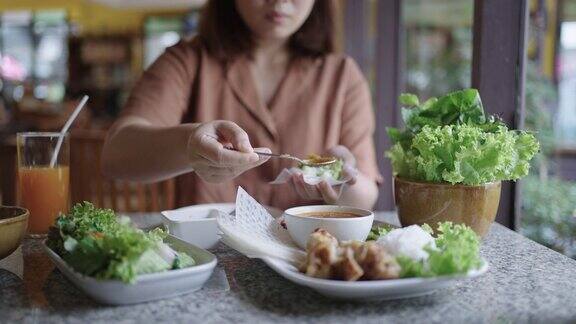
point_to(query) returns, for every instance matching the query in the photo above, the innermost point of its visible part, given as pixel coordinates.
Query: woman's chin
(276, 34)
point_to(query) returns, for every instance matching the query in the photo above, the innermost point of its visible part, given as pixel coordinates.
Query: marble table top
(526, 283)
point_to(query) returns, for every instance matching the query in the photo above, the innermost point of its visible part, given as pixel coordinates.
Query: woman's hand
(323, 191)
(221, 150)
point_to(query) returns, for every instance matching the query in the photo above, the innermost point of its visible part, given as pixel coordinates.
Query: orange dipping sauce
(44, 192)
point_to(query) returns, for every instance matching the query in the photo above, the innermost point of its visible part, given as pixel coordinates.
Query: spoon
(323, 160)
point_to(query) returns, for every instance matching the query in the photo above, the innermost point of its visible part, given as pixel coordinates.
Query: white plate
(197, 224)
(148, 286)
(369, 290)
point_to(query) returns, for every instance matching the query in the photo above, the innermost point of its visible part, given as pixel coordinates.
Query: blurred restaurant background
(54, 51)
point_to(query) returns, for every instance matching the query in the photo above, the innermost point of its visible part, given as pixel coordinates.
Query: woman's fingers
(221, 150)
(261, 160)
(343, 153)
(349, 170)
(321, 191)
(211, 149)
(296, 182)
(234, 134)
(229, 171)
(328, 193)
(305, 190)
(311, 190)
(351, 173)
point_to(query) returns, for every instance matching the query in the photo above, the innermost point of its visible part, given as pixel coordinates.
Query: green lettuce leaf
(377, 232)
(450, 139)
(183, 260)
(457, 252)
(456, 108)
(464, 154)
(149, 262)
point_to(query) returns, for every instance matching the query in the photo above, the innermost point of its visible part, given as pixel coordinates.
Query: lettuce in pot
(451, 140)
(464, 154)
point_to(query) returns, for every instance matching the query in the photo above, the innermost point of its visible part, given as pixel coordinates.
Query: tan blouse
(319, 104)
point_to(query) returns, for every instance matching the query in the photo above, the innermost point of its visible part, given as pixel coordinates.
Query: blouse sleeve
(358, 122)
(162, 94)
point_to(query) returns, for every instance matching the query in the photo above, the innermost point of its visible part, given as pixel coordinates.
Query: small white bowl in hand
(344, 229)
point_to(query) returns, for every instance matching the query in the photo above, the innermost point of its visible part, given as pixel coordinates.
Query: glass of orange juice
(42, 188)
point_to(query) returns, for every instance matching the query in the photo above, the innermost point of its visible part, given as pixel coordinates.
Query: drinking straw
(65, 129)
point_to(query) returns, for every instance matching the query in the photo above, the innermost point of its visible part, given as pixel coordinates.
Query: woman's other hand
(221, 150)
(323, 191)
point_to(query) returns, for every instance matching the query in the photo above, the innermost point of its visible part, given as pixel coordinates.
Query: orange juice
(44, 192)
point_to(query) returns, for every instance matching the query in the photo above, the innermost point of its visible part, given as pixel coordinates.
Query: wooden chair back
(8, 172)
(88, 183)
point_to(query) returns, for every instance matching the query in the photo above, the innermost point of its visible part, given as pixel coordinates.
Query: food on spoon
(96, 243)
(332, 170)
(318, 159)
(350, 261)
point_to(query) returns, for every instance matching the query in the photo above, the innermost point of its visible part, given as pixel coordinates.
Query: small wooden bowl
(424, 202)
(13, 225)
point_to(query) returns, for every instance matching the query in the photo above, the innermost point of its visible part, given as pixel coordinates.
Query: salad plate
(370, 289)
(147, 287)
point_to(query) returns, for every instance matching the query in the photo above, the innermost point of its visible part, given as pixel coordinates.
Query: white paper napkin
(252, 231)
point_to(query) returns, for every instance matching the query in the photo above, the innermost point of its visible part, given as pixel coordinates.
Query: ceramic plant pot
(424, 202)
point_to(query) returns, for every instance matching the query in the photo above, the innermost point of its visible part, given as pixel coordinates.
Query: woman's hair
(226, 36)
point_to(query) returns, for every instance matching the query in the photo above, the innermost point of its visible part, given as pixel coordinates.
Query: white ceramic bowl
(197, 224)
(344, 229)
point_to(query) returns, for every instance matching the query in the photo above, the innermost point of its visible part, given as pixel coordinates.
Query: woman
(260, 76)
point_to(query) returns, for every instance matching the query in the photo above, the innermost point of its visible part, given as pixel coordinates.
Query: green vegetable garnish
(376, 232)
(333, 170)
(96, 243)
(457, 252)
(450, 139)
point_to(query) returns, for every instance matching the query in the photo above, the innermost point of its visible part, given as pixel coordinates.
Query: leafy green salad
(333, 170)
(450, 139)
(454, 250)
(96, 243)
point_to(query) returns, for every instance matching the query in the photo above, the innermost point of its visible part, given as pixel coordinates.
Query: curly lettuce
(450, 139)
(96, 243)
(379, 231)
(464, 154)
(457, 251)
